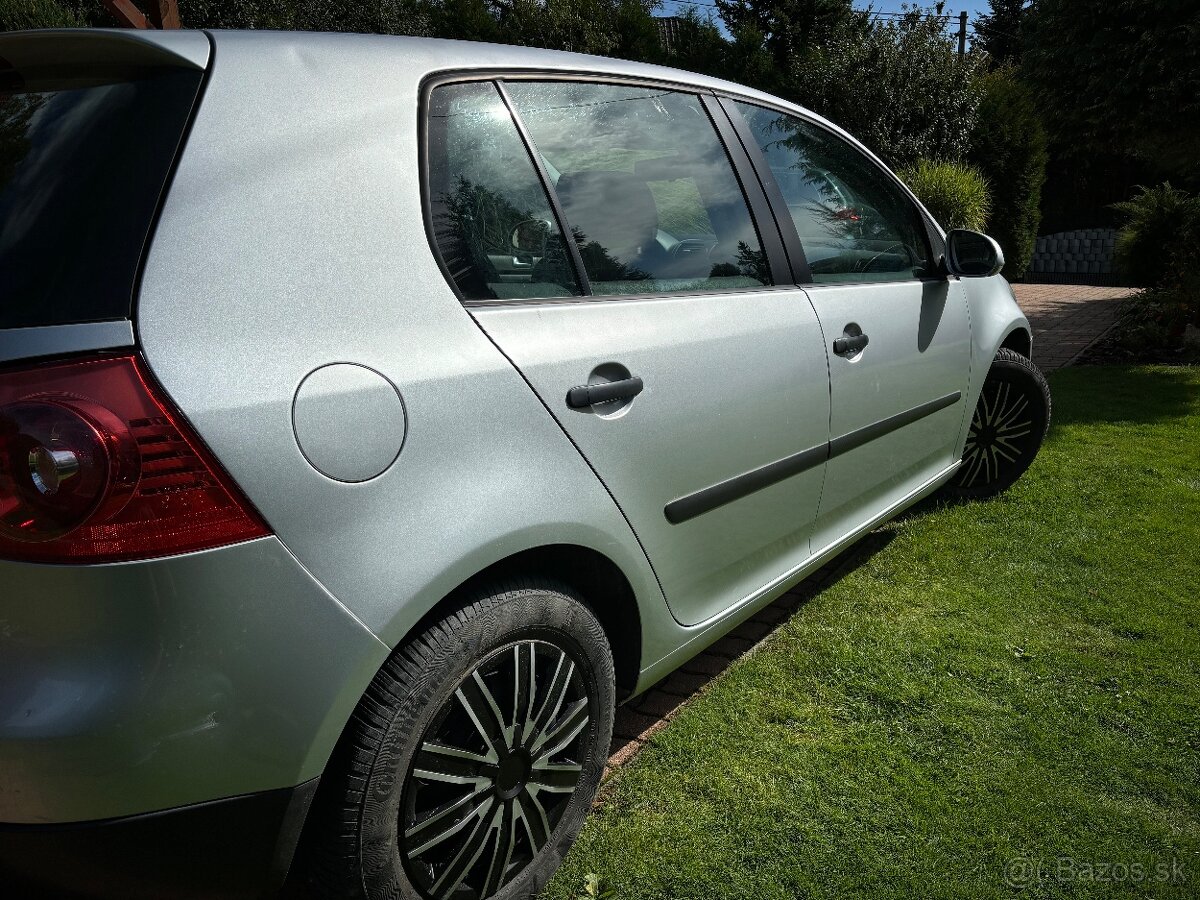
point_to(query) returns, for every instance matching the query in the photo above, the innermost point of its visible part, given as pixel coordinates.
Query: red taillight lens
(95, 467)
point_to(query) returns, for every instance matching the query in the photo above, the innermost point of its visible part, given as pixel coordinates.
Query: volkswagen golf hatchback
(376, 414)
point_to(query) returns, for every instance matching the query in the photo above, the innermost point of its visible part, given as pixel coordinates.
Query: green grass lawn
(1017, 679)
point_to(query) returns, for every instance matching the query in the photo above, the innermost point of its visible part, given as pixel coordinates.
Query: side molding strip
(868, 433)
(739, 486)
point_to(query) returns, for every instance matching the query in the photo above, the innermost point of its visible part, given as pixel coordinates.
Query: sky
(953, 7)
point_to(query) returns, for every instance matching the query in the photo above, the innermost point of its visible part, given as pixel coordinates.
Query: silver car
(376, 414)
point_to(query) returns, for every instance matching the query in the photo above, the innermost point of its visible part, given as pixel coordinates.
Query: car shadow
(639, 719)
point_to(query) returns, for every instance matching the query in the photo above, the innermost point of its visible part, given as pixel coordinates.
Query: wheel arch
(592, 576)
(1019, 340)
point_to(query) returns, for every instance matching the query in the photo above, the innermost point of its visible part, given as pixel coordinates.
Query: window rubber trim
(752, 192)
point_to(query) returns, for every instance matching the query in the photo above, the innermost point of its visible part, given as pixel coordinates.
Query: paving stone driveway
(1066, 320)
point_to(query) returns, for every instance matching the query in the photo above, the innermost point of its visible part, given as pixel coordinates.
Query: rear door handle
(850, 344)
(586, 395)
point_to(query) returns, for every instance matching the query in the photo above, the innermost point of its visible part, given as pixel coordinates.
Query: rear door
(695, 387)
(896, 330)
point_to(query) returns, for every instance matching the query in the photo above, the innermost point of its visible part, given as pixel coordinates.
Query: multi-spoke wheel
(470, 764)
(1007, 428)
(494, 771)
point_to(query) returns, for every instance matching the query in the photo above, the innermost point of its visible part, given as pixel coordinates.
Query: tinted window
(83, 160)
(854, 221)
(492, 222)
(645, 184)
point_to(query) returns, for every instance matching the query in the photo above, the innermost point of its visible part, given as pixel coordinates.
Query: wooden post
(962, 34)
(163, 13)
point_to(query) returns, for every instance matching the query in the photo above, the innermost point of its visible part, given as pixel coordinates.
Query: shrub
(1008, 146)
(18, 15)
(955, 194)
(1156, 240)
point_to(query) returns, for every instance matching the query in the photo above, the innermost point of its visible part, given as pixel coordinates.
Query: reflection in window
(491, 219)
(855, 223)
(645, 185)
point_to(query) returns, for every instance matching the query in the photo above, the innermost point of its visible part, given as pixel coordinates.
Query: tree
(19, 15)
(789, 29)
(1009, 147)
(1120, 75)
(899, 86)
(999, 31)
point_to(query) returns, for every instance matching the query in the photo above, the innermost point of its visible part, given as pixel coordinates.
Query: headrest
(615, 209)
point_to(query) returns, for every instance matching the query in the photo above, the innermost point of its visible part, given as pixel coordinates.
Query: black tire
(446, 704)
(1007, 428)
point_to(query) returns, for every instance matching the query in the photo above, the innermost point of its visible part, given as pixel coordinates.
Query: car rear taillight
(95, 467)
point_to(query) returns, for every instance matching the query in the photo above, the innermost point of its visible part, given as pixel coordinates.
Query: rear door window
(645, 184)
(84, 156)
(492, 221)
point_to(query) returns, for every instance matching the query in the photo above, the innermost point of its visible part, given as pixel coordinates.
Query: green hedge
(956, 195)
(1008, 145)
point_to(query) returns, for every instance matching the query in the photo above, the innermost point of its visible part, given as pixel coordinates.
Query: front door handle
(586, 395)
(850, 343)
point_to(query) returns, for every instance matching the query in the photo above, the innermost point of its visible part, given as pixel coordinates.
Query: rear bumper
(139, 687)
(234, 848)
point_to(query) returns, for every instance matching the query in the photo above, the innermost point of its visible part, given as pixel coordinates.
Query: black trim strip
(865, 435)
(739, 486)
(801, 274)
(769, 238)
(568, 237)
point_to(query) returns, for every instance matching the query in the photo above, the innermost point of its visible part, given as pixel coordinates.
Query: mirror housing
(530, 237)
(970, 254)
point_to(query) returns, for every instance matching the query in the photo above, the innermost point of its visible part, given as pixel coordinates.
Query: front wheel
(469, 766)
(1007, 429)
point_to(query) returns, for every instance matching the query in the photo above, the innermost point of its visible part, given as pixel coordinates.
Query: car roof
(430, 56)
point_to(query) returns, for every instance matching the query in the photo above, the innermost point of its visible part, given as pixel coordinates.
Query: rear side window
(854, 222)
(492, 221)
(646, 187)
(84, 156)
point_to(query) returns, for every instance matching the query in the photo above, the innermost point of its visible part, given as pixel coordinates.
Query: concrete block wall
(1085, 256)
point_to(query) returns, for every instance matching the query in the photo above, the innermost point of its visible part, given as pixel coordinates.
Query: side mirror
(530, 236)
(970, 254)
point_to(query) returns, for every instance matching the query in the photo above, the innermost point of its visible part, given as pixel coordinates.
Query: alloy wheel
(1001, 435)
(494, 771)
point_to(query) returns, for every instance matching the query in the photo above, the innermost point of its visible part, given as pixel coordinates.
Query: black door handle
(850, 344)
(586, 395)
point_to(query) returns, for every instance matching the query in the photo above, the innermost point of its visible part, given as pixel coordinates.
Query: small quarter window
(492, 221)
(854, 222)
(645, 185)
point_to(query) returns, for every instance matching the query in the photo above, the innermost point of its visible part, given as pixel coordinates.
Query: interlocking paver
(1066, 320)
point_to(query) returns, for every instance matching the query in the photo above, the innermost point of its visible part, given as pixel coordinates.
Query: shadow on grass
(1114, 394)
(637, 720)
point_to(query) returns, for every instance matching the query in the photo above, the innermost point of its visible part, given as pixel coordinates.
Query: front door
(897, 331)
(696, 389)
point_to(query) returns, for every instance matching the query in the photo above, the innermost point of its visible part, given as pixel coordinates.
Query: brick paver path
(1066, 320)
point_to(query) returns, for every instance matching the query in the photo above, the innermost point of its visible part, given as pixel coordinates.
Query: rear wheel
(471, 763)
(1007, 429)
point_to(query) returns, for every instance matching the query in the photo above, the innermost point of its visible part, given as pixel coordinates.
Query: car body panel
(733, 382)
(134, 687)
(919, 353)
(270, 261)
